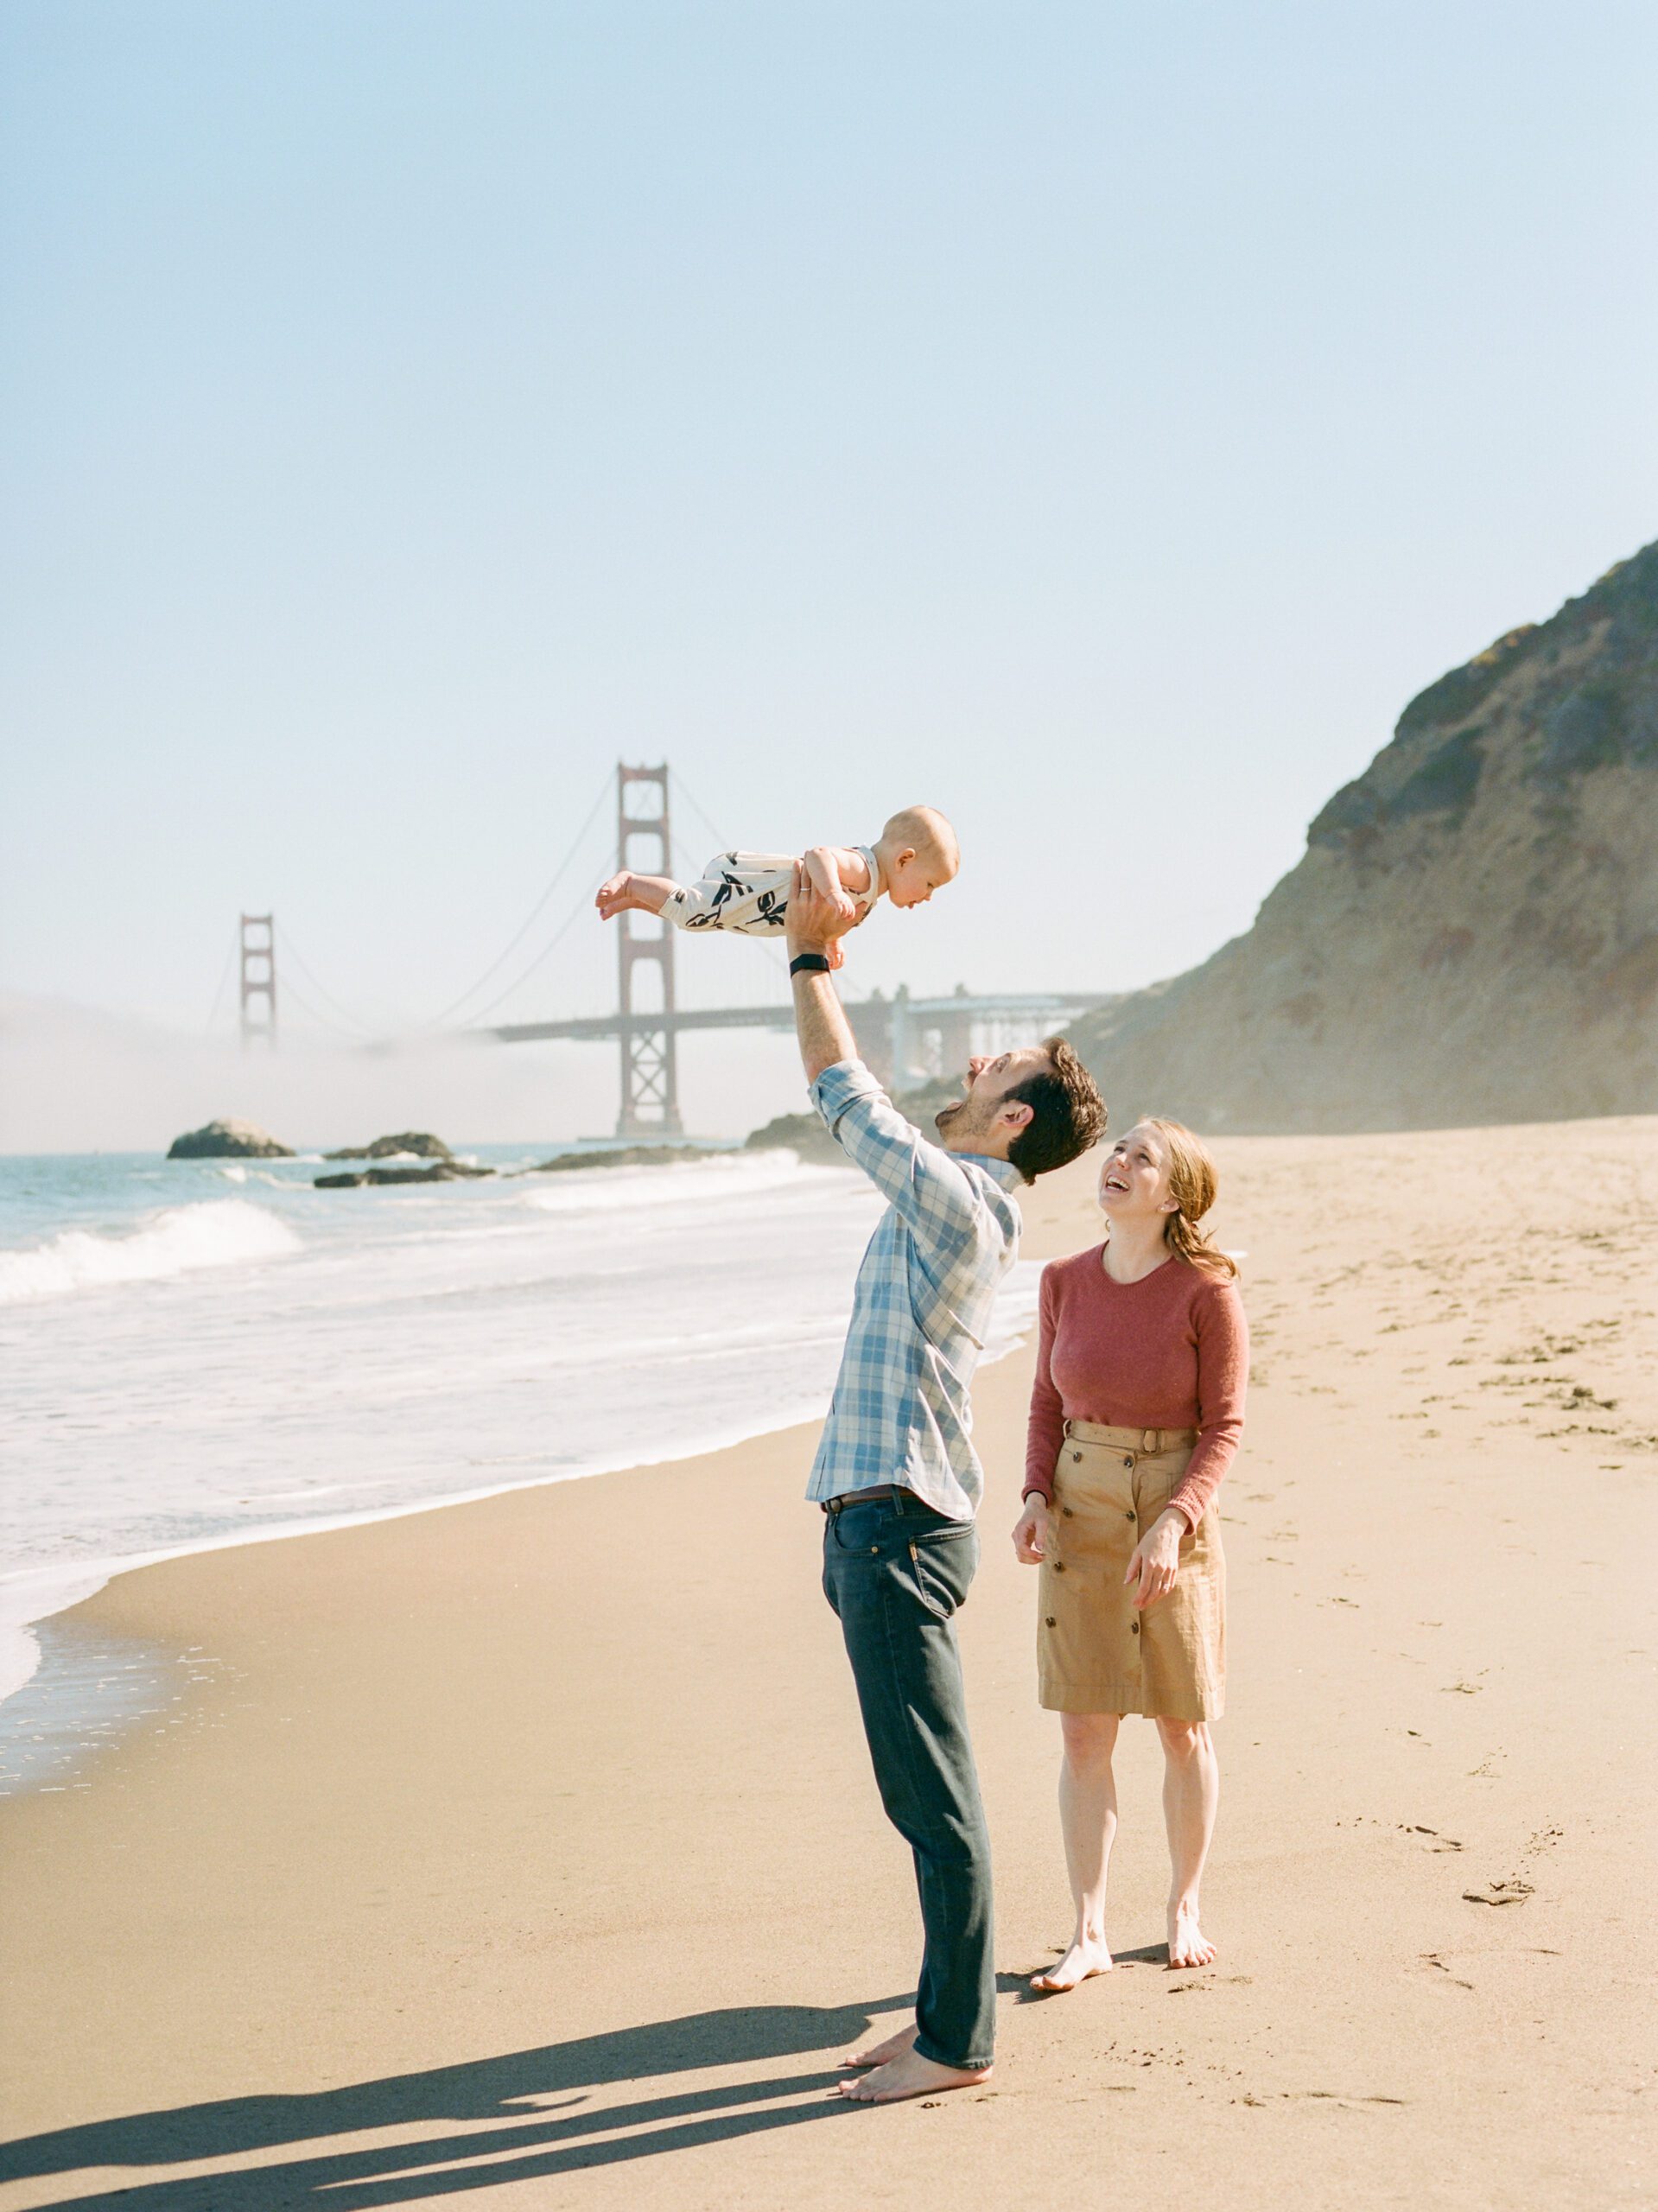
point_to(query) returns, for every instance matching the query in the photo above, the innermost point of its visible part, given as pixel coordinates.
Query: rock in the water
(442, 1171)
(230, 1139)
(420, 1143)
(806, 1134)
(623, 1155)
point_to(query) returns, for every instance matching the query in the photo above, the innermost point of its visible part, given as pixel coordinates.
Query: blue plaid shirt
(926, 1288)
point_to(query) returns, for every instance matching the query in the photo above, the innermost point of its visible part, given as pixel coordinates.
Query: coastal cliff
(1472, 934)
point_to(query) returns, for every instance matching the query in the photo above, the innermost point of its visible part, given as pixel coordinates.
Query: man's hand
(1157, 1558)
(1031, 1532)
(815, 922)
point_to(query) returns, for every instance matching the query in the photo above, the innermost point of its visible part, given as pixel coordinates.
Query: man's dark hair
(1067, 1113)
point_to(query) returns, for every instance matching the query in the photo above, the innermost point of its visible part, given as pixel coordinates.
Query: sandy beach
(526, 1851)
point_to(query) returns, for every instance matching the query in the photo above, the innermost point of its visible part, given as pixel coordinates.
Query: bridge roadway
(917, 1013)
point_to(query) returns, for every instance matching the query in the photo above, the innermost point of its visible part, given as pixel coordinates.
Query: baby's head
(918, 854)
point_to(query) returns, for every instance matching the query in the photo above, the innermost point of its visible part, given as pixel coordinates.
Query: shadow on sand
(532, 2139)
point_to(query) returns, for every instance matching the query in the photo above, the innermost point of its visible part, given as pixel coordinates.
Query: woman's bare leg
(1088, 1819)
(1192, 1790)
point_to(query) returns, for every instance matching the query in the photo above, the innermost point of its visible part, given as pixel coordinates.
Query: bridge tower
(649, 1074)
(258, 980)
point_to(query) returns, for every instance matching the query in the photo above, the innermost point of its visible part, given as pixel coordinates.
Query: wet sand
(526, 1852)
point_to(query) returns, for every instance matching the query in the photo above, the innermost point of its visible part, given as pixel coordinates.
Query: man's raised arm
(920, 1179)
(825, 1033)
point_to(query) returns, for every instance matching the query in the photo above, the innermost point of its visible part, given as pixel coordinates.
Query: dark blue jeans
(895, 1572)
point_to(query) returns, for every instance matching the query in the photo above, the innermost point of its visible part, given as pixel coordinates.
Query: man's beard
(957, 1115)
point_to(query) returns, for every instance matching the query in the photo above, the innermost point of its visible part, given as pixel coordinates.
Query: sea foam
(215, 1233)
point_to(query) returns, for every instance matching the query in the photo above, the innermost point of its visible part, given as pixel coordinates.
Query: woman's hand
(1157, 1558)
(1031, 1533)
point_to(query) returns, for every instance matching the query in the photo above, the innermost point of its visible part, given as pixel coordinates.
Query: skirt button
(1134, 1628)
(1050, 1620)
(1077, 1457)
(1059, 1566)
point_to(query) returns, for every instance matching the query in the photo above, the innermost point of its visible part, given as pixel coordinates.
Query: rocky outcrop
(806, 1134)
(1472, 933)
(801, 1133)
(229, 1140)
(420, 1142)
(442, 1171)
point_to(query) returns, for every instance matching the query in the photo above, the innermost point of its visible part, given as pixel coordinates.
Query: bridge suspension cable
(519, 935)
(293, 953)
(583, 905)
(223, 982)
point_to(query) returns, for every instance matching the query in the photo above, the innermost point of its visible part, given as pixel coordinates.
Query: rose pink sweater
(1169, 1351)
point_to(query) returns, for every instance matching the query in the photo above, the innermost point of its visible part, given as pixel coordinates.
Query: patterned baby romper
(749, 893)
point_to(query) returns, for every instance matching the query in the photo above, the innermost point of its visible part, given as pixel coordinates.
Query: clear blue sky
(1096, 420)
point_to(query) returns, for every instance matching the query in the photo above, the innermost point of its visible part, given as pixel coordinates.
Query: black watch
(809, 964)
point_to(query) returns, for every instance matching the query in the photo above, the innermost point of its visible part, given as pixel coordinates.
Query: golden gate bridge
(905, 1040)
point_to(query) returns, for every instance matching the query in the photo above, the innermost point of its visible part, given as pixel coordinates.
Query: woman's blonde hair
(1193, 1186)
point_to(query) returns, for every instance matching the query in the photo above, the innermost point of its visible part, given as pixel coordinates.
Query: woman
(1142, 1365)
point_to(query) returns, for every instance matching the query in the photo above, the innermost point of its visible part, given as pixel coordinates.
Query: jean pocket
(941, 1565)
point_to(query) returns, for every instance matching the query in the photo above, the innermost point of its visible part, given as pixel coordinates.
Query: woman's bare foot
(1088, 1955)
(910, 2075)
(877, 2053)
(1187, 1945)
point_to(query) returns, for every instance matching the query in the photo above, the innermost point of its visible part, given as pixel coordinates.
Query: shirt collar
(999, 1171)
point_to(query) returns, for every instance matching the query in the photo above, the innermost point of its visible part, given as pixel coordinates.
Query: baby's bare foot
(877, 2053)
(1187, 1944)
(1088, 1955)
(623, 894)
(910, 2075)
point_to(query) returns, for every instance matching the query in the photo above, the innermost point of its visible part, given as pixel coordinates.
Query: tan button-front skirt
(1094, 1652)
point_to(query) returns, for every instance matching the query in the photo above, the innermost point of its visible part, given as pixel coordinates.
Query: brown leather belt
(859, 1497)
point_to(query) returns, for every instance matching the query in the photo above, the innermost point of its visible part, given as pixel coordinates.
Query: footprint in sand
(1454, 1981)
(1513, 1892)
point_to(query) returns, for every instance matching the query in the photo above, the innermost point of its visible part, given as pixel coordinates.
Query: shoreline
(535, 1841)
(85, 1581)
(49, 1587)
(73, 1586)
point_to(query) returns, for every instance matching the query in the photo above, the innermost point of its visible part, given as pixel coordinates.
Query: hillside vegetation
(1472, 933)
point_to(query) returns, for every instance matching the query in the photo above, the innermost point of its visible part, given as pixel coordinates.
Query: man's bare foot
(622, 894)
(1088, 1955)
(1187, 1946)
(877, 2053)
(910, 2075)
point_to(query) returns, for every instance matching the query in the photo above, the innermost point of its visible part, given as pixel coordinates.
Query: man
(896, 1476)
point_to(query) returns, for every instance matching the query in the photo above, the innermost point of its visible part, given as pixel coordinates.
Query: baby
(914, 855)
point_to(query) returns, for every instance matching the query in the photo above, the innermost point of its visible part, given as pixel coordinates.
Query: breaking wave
(214, 1234)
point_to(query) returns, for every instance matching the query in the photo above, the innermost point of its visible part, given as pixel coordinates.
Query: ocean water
(199, 1352)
